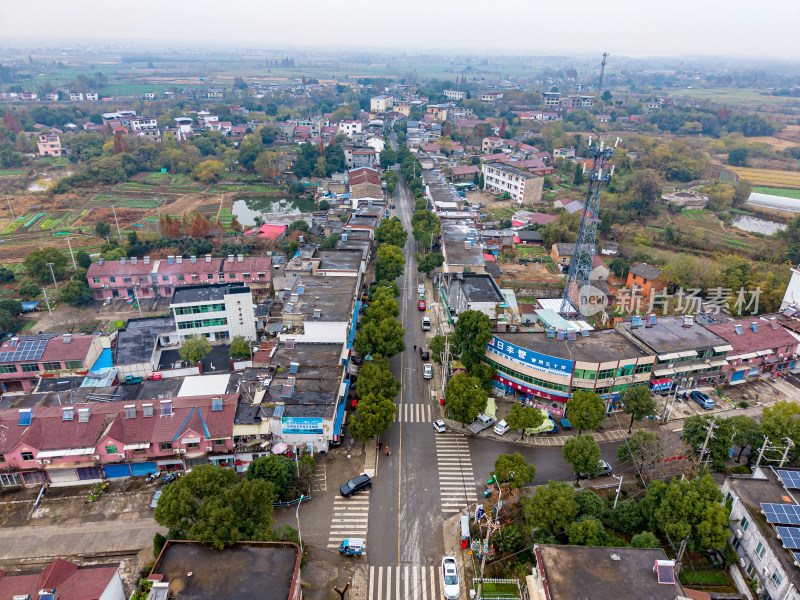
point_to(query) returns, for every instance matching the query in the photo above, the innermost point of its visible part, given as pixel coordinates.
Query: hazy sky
(754, 29)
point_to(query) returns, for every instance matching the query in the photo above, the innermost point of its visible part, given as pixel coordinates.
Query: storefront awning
(671, 356)
(687, 354)
(763, 352)
(726, 348)
(743, 356)
(68, 452)
(718, 363)
(685, 368)
(664, 372)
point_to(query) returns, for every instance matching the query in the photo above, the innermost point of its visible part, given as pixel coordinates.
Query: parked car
(424, 352)
(702, 399)
(154, 501)
(421, 288)
(501, 428)
(426, 324)
(451, 588)
(439, 426)
(421, 305)
(481, 422)
(356, 485)
(603, 468)
(427, 371)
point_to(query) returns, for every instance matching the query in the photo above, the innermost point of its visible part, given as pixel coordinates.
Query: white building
(142, 123)
(91, 96)
(218, 312)
(792, 295)
(454, 95)
(763, 555)
(381, 104)
(491, 97)
(522, 186)
(76, 96)
(350, 127)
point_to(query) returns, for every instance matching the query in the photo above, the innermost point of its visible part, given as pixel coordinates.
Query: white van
(426, 323)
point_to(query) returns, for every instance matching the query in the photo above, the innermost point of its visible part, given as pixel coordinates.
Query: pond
(756, 225)
(246, 209)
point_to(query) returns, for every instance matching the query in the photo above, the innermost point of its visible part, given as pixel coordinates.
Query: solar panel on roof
(665, 569)
(790, 479)
(781, 514)
(790, 537)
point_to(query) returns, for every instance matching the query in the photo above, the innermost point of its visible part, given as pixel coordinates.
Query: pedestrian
(380, 445)
(415, 347)
(387, 451)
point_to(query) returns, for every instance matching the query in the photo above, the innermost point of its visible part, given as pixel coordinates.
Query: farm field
(769, 177)
(725, 95)
(777, 192)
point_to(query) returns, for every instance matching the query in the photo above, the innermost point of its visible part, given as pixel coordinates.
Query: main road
(427, 477)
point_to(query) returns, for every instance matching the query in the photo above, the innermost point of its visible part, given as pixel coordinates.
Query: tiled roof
(645, 271)
(765, 338)
(71, 581)
(76, 349)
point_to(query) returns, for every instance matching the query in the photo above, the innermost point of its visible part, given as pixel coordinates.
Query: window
(231, 275)
(67, 414)
(246, 275)
(745, 523)
(165, 445)
(195, 462)
(147, 410)
(643, 368)
(112, 279)
(83, 415)
(194, 277)
(626, 370)
(760, 550)
(585, 374)
(180, 277)
(777, 578)
(96, 280)
(111, 449)
(219, 442)
(165, 278)
(51, 366)
(126, 279)
(193, 445)
(606, 373)
(130, 411)
(166, 408)
(74, 364)
(27, 456)
(210, 276)
(8, 368)
(2, 458)
(30, 368)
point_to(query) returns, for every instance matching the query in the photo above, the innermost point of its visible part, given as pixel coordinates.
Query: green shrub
(740, 470)
(158, 543)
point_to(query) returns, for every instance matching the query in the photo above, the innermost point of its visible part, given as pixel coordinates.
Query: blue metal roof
(337, 424)
(104, 361)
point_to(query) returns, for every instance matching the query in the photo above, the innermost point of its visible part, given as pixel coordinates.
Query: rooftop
(601, 576)
(71, 581)
(669, 335)
(769, 335)
(136, 342)
(206, 293)
(331, 299)
(234, 573)
(506, 168)
(457, 250)
(479, 288)
(340, 260)
(602, 345)
(645, 271)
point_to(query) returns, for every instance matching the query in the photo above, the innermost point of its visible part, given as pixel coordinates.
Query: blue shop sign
(307, 425)
(531, 359)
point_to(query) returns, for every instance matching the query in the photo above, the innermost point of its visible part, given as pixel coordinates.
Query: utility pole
(789, 444)
(136, 299)
(485, 549)
(761, 452)
(13, 216)
(619, 488)
(299, 535)
(53, 274)
(48, 303)
(709, 435)
(679, 558)
(74, 265)
(119, 233)
(766, 446)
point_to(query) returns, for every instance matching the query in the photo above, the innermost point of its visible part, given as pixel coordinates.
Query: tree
(586, 410)
(577, 177)
(737, 157)
(209, 171)
(274, 469)
(36, 264)
(524, 417)
(695, 430)
(297, 226)
(637, 401)
(647, 191)
(627, 516)
(586, 532)
(29, 291)
(248, 153)
(472, 332)
(485, 374)
(746, 431)
(429, 262)
(6, 275)
(83, 259)
(388, 157)
(389, 265)
(239, 348)
(375, 377)
(513, 470)
(644, 449)
(645, 539)
(583, 454)
(781, 420)
(374, 415)
(194, 349)
(330, 242)
(590, 504)
(425, 227)
(465, 398)
(208, 505)
(76, 293)
(324, 205)
(437, 345)
(391, 231)
(691, 508)
(606, 97)
(550, 510)
(102, 229)
(384, 337)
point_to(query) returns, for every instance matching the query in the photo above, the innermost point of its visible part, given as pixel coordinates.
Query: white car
(439, 426)
(427, 371)
(421, 288)
(501, 428)
(450, 585)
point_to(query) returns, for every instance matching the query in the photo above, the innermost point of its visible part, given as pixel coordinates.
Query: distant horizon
(625, 28)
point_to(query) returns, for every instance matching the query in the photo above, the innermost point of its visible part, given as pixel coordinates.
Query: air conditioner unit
(95, 457)
(739, 533)
(38, 462)
(176, 451)
(121, 455)
(182, 450)
(209, 448)
(105, 286)
(46, 461)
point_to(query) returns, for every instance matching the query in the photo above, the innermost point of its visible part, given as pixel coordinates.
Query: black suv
(424, 353)
(355, 485)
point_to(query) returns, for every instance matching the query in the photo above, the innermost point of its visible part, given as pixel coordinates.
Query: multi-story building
(24, 358)
(551, 98)
(146, 278)
(76, 96)
(521, 185)
(491, 97)
(761, 534)
(491, 143)
(379, 104)
(350, 127)
(91, 96)
(218, 312)
(141, 123)
(49, 145)
(455, 95)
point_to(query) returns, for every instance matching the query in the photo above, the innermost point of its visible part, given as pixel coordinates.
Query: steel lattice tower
(580, 269)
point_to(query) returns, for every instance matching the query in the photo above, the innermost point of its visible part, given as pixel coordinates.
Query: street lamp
(54, 275)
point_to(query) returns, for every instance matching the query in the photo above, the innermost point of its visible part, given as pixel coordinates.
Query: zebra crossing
(405, 582)
(456, 480)
(413, 413)
(350, 519)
